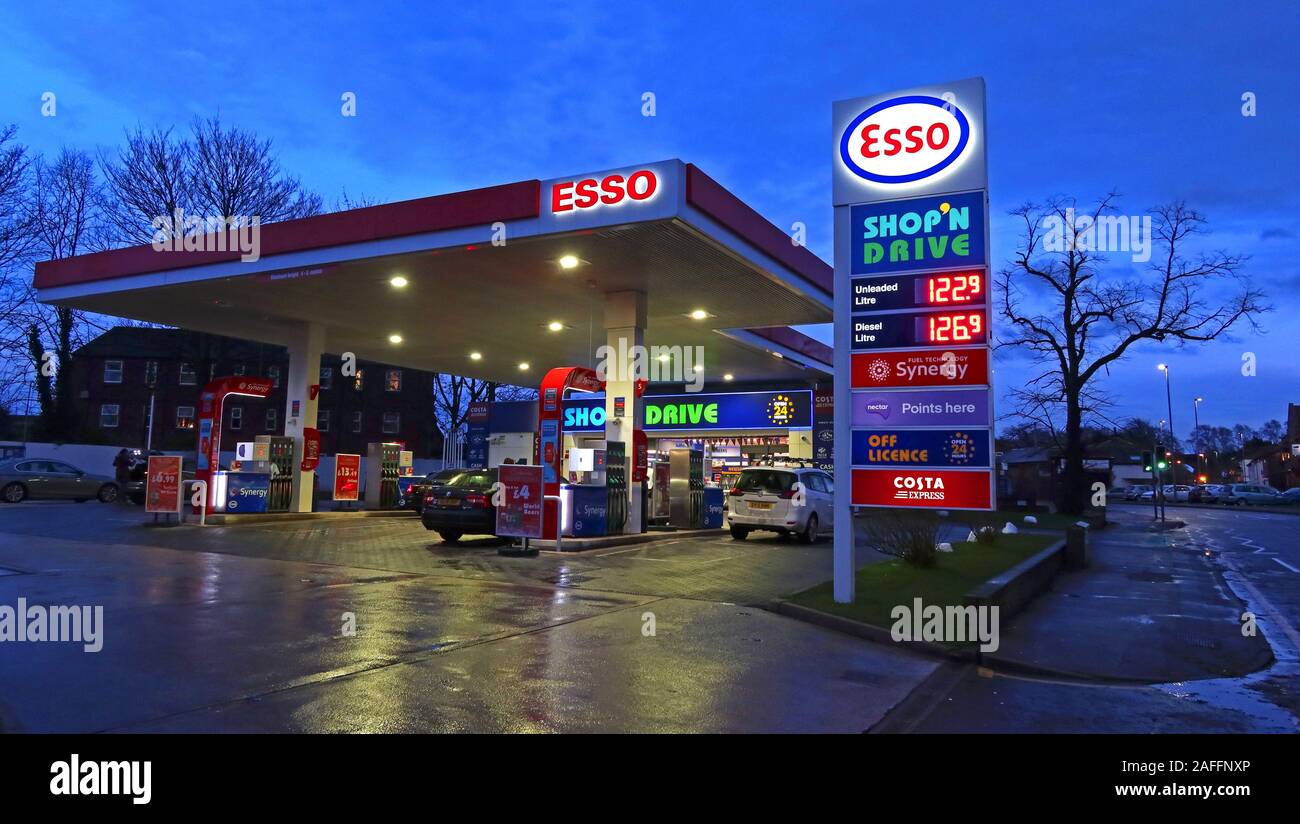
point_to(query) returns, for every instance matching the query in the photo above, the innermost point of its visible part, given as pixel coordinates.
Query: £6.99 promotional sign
(913, 378)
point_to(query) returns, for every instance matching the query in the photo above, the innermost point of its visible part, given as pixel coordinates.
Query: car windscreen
(473, 479)
(765, 480)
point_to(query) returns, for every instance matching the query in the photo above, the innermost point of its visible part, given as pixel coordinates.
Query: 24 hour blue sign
(924, 233)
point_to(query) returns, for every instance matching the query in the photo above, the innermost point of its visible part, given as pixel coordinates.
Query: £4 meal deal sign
(912, 308)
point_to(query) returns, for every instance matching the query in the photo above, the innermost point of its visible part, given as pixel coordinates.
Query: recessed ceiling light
(523, 367)
(699, 314)
(555, 326)
(476, 356)
(663, 358)
(569, 262)
(777, 355)
(394, 338)
(728, 377)
(398, 282)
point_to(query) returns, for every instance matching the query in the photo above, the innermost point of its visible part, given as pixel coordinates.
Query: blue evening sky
(1142, 98)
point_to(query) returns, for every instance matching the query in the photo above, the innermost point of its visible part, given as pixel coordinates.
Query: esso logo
(610, 190)
(905, 139)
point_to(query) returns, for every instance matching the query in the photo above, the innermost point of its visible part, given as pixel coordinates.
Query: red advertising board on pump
(163, 484)
(347, 477)
(519, 513)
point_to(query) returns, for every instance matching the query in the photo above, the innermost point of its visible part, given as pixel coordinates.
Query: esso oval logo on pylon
(905, 139)
(609, 190)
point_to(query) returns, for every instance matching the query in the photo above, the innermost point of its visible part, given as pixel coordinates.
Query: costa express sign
(954, 367)
(923, 488)
(609, 190)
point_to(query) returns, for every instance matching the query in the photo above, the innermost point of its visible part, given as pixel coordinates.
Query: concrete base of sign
(227, 519)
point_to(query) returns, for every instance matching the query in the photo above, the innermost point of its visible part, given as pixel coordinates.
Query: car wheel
(107, 493)
(450, 537)
(13, 493)
(739, 533)
(809, 534)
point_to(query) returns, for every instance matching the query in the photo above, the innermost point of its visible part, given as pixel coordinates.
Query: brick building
(115, 375)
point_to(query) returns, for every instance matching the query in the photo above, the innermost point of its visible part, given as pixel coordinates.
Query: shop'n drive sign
(912, 309)
(606, 190)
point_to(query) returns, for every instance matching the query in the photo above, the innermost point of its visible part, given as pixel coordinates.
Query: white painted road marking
(1288, 566)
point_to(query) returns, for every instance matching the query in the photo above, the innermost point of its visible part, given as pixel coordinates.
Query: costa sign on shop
(922, 488)
(609, 190)
(889, 370)
(905, 138)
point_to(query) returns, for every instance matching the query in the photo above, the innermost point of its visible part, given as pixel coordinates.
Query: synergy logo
(780, 410)
(905, 139)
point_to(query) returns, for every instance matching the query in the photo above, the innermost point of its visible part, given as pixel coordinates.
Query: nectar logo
(905, 139)
(611, 190)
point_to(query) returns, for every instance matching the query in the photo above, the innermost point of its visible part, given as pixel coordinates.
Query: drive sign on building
(913, 381)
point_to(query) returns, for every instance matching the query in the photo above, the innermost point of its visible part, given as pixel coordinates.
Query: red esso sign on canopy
(609, 190)
(904, 139)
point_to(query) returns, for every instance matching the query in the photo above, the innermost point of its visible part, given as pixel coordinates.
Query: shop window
(184, 417)
(273, 372)
(112, 371)
(109, 415)
(356, 421)
(392, 423)
(236, 417)
(151, 373)
(393, 380)
(188, 376)
(323, 420)
(272, 420)
(326, 377)
(359, 380)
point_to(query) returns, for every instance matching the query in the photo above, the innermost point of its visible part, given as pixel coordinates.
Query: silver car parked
(23, 478)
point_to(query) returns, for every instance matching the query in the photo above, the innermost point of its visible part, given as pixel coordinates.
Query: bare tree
(15, 246)
(148, 178)
(237, 175)
(66, 218)
(1075, 321)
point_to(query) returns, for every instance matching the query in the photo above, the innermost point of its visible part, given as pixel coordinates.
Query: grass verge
(883, 586)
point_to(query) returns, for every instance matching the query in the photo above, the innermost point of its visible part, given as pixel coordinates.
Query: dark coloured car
(462, 505)
(420, 487)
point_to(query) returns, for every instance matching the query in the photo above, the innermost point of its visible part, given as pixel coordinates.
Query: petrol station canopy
(490, 271)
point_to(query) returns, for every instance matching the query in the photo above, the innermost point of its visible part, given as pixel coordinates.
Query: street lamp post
(1196, 419)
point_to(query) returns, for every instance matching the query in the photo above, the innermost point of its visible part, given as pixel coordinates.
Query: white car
(1177, 493)
(788, 501)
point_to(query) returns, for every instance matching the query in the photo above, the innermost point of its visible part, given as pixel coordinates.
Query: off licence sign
(519, 515)
(163, 484)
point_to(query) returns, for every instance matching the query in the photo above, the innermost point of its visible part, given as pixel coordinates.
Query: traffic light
(1162, 459)
(1147, 461)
